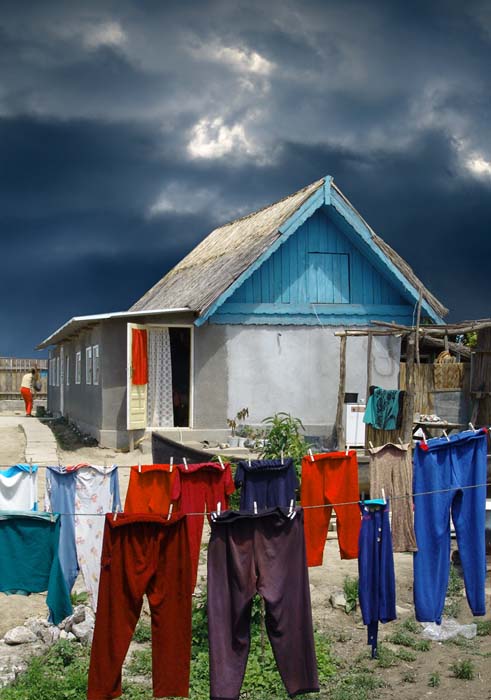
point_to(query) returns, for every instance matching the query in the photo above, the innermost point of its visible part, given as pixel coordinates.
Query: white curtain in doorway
(160, 407)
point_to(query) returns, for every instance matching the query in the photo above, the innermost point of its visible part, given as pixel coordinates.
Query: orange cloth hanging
(139, 358)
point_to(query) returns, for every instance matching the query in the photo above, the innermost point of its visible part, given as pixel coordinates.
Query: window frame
(88, 365)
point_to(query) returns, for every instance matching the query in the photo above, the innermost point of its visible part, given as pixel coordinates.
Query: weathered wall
(284, 368)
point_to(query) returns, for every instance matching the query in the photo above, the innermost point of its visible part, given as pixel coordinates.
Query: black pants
(264, 554)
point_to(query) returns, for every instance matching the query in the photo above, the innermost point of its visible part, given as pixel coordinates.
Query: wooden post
(407, 426)
(369, 366)
(418, 320)
(341, 392)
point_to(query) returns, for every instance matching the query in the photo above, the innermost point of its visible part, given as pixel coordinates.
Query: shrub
(463, 669)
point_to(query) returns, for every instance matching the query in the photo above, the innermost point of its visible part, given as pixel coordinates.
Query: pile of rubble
(36, 635)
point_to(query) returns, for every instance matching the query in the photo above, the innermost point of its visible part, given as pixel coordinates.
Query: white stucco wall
(296, 369)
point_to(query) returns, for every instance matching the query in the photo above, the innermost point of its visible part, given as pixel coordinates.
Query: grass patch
(422, 645)
(140, 663)
(59, 675)
(409, 676)
(452, 607)
(143, 632)
(81, 598)
(350, 588)
(463, 669)
(402, 638)
(434, 680)
(411, 625)
(386, 657)
(406, 655)
(455, 583)
(355, 686)
(483, 627)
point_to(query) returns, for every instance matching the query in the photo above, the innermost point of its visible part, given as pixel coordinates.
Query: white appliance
(354, 427)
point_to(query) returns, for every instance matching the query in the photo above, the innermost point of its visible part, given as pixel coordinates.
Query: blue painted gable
(318, 274)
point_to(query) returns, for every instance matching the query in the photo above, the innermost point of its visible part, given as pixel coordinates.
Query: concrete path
(41, 445)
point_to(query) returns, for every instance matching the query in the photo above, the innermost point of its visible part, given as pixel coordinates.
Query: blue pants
(376, 578)
(439, 465)
(268, 482)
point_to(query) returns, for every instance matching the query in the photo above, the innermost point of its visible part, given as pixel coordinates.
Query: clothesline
(322, 505)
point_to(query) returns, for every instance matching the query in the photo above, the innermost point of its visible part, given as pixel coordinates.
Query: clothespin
(291, 512)
(362, 496)
(255, 507)
(171, 465)
(311, 455)
(471, 426)
(370, 444)
(383, 496)
(400, 441)
(115, 514)
(185, 461)
(445, 435)
(139, 466)
(219, 507)
(281, 454)
(221, 462)
(347, 450)
(250, 463)
(52, 517)
(171, 508)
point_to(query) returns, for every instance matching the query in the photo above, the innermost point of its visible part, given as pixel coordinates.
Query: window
(78, 367)
(88, 365)
(95, 364)
(67, 370)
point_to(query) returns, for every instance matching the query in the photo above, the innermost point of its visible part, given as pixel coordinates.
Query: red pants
(149, 490)
(143, 554)
(198, 487)
(330, 478)
(27, 396)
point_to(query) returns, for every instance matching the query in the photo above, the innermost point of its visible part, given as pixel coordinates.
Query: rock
(84, 631)
(79, 614)
(19, 635)
(67, 635)
(338, 599)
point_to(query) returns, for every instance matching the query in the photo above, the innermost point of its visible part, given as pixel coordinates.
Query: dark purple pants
(264, 554)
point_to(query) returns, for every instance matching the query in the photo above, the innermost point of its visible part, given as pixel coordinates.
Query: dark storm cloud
(129, 129)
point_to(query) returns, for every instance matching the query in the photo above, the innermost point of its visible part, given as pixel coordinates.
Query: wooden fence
(12, 370)
(433, 380)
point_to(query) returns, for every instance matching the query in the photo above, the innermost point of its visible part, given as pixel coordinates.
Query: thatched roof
(198, 280)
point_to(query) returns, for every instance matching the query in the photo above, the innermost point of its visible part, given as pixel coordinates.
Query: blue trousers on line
(376, 578)
(449, 464)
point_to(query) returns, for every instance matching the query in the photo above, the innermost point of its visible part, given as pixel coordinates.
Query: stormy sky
(129, 129)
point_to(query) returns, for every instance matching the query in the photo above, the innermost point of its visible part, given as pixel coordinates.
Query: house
(247, 319)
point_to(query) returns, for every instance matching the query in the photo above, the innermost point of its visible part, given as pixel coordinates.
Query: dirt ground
(406, 679)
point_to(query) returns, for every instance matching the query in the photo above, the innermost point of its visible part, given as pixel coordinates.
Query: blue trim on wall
(303, 320)
(377, 310)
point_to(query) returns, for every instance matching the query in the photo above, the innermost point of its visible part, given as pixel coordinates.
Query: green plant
(233, 422)
(409, 676)
(483, 627)
(455, 584)
(411, 625)
(80, 598)
(357, 685)
(452, 607)
(140, 663)
(350, 588)
(434, 679)
(143, 632)
(406, 655)
(284, 437)
(402, 638)
(386, 657)
(423, 645)
(463, 669)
